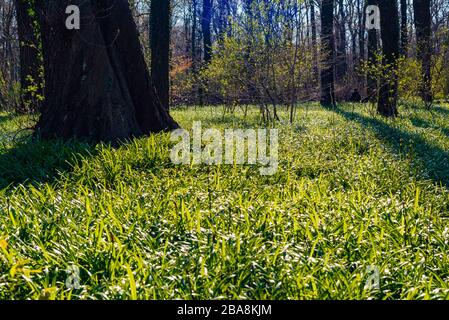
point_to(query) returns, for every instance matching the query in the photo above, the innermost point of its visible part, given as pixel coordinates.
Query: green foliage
(410, 77)
(352, 191)
(262, 61)
(9, 94)
(440, 71)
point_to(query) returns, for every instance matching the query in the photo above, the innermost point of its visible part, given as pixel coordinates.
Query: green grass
(352, 191)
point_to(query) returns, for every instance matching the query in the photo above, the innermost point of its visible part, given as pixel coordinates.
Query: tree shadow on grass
(433, 159)
(441, 110)
(421, 123)
(35, 161)
(6, 117)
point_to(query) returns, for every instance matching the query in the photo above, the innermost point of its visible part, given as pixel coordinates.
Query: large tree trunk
(31, 71)
(97, 83)
(423, 21)
(160, 30)
(327, 53)
(388, 92)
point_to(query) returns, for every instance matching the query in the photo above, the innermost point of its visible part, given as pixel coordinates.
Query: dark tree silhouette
(404, 28)
(373, 47)
(341, 64)
(388, 91)
(327, 53)
(31, 77)
(423, 21)
(97, 83)
(160, 31)
(206, 29)
(362, 39)
(221, 19)
(314, 38)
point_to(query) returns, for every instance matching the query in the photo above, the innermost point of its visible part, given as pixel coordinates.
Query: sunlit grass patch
(353, 191)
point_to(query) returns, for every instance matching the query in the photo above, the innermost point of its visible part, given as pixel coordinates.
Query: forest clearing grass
(353, 191)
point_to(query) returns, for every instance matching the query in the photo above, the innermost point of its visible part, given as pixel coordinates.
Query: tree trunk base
(97, 82)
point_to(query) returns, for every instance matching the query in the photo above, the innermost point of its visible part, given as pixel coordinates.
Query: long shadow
(35, 161)
(421, 123)
(440, 109)
(433, 159)
(6, 117)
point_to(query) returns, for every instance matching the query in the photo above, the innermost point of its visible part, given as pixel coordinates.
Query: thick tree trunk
(206, 29)
(160, 30)
(31, 69)
(327, 53)
(97, 83)
(423, 21)
(388, 92)
(404, 29)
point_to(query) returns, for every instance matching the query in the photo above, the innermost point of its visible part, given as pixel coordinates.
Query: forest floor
(355, 195)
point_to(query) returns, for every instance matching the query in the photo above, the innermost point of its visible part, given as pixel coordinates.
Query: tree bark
(423, 21)
(388, 92)
(97, 83)
(373, 47)
(362, 21)
(31, 71)
(221, 19)
(404, 29)
(160, 30)
(327, 53)
(314, 39)
(341, 67)
(206, 29)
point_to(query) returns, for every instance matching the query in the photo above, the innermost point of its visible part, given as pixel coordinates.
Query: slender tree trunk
(160, 30)
(327, 53)
(354, 50)
(373, 47)
(404, 29)
(423, 21)
(314, 39)
(195, 63)
(206, 20)
(206, 29)
(193, 30)
(97, 83)
(361, 15)
(341, 66)
(250, 22)
(31, 71)
(222, 20)
(388, 92)
(187, 33)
